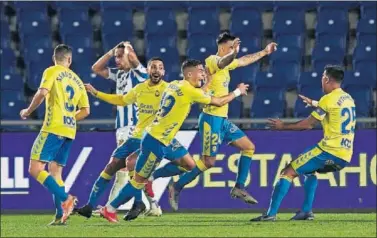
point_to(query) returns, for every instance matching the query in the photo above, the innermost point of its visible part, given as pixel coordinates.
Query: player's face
(197, 76)
(325, 82)
(156, 71)
(121, 59)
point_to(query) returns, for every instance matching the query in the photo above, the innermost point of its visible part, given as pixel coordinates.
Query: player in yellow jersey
(156, 142)
(147, 97)
(214, 127)
(63, 91)
(337, 114)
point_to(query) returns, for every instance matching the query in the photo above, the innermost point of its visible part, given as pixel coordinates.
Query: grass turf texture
(194, 225)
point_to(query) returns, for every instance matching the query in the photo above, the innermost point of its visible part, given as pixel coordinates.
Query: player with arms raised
(128, 74)
(64, 92)
(214, 127)
(175, 106)
(336, 111)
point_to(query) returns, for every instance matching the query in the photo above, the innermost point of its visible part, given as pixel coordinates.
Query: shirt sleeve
(320, 112)
(113, 74)
(211, 63)
(130, 97)
(47, 79)
(141, 71)
(233, 65)
(84, 100)
(199, 96)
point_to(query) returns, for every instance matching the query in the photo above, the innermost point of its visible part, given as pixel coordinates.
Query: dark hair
(224, 38)
(190, 63)
(61, 51)
(334, 72)
(154, 59)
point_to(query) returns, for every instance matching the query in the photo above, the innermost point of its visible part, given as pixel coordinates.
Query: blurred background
(310, 35)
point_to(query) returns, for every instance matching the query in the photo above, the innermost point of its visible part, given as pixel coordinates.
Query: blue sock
(186, 178)
(168, 170)
(244, 164)
(129, 191)
(58, 205)
(53, 187)
(98, 188)
(310, 186)
(280, 190)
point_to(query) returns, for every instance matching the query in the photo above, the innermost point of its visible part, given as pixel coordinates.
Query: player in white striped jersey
(128, 73)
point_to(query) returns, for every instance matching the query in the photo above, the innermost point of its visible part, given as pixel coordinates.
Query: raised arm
(100, 66)
(227, 59)
(251, 58)
(132, 57)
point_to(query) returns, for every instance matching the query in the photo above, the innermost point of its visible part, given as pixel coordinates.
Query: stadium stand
(342, 34)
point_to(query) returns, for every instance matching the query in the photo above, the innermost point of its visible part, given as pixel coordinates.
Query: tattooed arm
(251, 58)
(227, 59)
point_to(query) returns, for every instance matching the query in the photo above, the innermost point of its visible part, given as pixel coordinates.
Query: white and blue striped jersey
(127, 116)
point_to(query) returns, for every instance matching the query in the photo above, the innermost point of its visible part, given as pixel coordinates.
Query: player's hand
(270, 48)
(127, 47)
(24, 114)
(306, 100)
(90, 89)
(243, 88)
(275, 124)
(236, 45)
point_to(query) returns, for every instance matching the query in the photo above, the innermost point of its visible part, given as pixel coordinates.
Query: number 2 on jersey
(349, 121)
(68, 105)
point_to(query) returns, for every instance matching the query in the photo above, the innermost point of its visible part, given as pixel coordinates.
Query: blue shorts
(49, 147)
(153, 151)
(126, 148)
(316, 160)
(214, 130)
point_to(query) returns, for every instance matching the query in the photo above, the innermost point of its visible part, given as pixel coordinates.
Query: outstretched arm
(221, 101)
(306, 124)
(119, 100)
(251, 58)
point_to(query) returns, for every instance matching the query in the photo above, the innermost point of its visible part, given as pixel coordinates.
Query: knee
(55, 170)
(112, 167)
(209, 161)
(35, 167)
(248, 150)
(288, 172)
(130, 164)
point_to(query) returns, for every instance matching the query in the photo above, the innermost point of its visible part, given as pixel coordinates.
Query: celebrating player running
(156, 142)
(64, 91)
(214, 127)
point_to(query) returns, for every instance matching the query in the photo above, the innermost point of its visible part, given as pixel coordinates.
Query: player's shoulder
(52, 69)
(212, 57)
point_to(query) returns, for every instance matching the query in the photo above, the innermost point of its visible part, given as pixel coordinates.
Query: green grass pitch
(193, 225)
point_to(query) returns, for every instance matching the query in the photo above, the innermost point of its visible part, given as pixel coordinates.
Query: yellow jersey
(175, 107)
(219, 85)
(147, 98)
(66, 93)
(337, 113)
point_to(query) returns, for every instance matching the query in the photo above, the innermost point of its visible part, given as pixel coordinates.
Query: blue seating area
(29, 31)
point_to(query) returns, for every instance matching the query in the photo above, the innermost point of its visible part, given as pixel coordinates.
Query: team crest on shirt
(157, 93)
